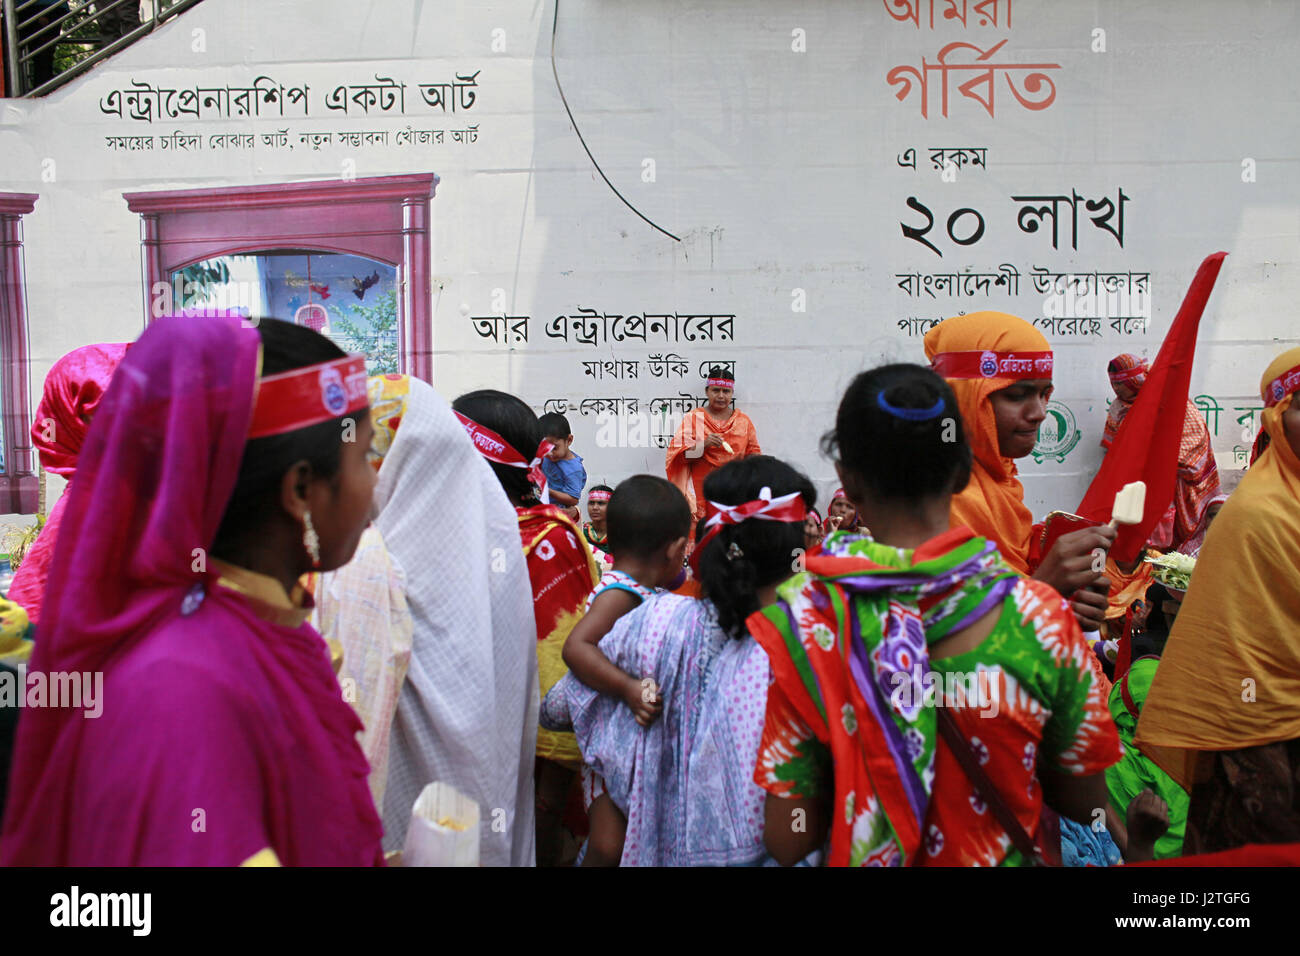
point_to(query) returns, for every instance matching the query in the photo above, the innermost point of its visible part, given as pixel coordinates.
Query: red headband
(986, 364)
(308, 396)
(788, 508)
(1282, 386)
(598, 496)
(1129, 374)
(721, 383)
(839, 493)
(495, 448)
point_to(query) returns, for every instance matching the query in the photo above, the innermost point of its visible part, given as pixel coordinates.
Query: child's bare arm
(560, 498)
(589, 665)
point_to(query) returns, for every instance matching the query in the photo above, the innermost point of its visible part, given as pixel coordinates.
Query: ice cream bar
(1129, 504)
(728, 448)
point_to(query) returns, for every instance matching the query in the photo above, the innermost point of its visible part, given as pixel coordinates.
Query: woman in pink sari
(202, 494)
(73, 390)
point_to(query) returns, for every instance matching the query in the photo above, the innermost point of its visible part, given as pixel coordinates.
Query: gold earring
(310, 540)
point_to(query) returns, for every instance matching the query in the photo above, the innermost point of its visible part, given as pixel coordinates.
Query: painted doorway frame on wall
(19, 484)
(379, 217)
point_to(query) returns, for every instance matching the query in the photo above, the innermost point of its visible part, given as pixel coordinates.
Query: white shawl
(467, 714)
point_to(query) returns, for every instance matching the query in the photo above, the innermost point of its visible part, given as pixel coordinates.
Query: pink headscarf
(73, 390)
(276, 763)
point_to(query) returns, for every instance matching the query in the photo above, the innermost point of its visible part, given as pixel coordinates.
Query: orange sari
(688, 474)
(1229, 678)
(1126, 589)
(993, 503)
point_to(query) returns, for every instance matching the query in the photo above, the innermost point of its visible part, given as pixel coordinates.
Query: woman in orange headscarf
(1223, 715)
(1000, 368)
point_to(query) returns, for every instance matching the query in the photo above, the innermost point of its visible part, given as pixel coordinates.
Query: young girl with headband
(708, 438)
(685, 783)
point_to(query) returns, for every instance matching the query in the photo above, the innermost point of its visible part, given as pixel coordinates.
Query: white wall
(776, 168)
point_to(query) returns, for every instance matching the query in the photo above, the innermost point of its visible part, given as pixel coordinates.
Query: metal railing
(48, 42)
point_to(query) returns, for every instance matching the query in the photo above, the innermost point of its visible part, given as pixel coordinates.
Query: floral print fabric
(1025, 696)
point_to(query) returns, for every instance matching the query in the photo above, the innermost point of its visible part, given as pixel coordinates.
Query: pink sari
(222, 733)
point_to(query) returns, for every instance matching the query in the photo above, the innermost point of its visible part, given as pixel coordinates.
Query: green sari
(1135, 772)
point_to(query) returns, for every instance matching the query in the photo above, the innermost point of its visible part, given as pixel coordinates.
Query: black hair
(554, 425)
(285, 346)
(517, 424)
(720, 371)
(603, 488)
(766, 549)
(646, 513)
(898, 435)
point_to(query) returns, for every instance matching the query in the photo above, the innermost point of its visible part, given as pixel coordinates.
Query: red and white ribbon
(302, 397)
(598, 496)
(496, 449)
(1282, 386)
(721, 383)
(989, 364)
(787, 508)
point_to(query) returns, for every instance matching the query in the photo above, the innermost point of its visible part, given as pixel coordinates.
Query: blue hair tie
(910, 414)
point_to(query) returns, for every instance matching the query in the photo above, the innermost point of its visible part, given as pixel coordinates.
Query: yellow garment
(560, 746)
(558, 607)
(993, 503)
(1230, 674)
(264, 857)
(265, 594)
(388, 394)
(15, 633)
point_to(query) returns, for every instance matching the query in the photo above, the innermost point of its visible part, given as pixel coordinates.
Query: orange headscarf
(1230, 674)
(993, 504)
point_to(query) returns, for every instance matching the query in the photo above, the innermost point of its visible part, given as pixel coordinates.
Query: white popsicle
(1129, 504)
(727, 447)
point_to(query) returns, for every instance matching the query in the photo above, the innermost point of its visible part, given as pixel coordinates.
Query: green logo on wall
(1058, 434)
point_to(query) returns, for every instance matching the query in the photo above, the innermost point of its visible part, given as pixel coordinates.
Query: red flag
(1146, 445)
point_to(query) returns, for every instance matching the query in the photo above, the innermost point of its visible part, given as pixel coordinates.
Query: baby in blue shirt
(565, 476)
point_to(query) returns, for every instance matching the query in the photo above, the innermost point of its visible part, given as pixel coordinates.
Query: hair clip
(910, 414)
(734, 552)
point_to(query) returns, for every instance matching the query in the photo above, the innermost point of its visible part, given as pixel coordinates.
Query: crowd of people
(311, 593)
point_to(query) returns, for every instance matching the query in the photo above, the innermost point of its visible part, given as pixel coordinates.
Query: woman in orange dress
(708, 438)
